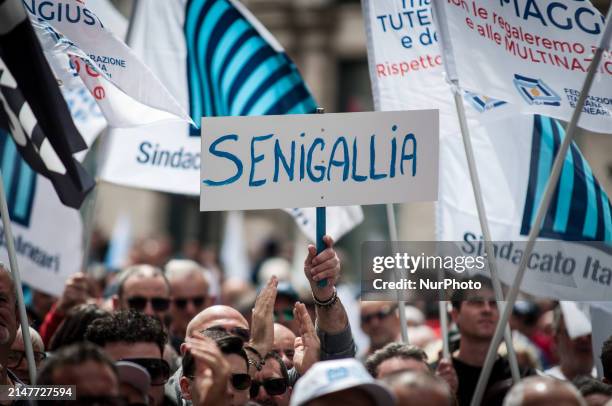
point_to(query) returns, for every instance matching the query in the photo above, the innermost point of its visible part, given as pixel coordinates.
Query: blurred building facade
(326, 39)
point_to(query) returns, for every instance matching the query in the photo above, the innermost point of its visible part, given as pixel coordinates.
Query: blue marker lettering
(373, 174)
(279, 157)
(412, 156)
(320, 168)
(354, 175)
(345, 159)
(255, 159)
(227, 155)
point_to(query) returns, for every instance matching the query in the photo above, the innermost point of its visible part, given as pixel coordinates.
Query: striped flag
(33, 109)
(217, 60)
(580, 209)
(235, 67)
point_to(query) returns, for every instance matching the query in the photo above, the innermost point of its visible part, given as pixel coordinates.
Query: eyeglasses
(139, 303)
(15, 357)
(272, 386)
(239, 381)
(380, 315)
(181, 302)
(156, 367)
(287, 314)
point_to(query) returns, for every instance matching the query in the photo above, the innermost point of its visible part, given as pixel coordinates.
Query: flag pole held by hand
(321, 224)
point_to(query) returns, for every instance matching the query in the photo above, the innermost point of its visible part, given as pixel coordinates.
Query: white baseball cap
(328, 377)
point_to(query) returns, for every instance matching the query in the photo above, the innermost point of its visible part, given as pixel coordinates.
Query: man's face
(238, 365)
(283, 313)
(477, 315)
(396, 364)
(147, 294)
(271, 371)
(92, 379)
(17, 352)
(189, 297)
(149, 356)
(283, 344)
(8, 311)
(380, 322)
(576, 354)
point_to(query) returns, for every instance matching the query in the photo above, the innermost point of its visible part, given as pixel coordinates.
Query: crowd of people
(160, 333)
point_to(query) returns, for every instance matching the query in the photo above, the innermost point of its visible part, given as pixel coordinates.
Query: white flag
(128, 93)
(402, 44)
(533, 54)
(514, 159)
(406, 68)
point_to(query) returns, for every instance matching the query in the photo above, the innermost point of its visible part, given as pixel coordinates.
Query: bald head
(419, 388)
(543, 391)
(219, 315)
(284, 340)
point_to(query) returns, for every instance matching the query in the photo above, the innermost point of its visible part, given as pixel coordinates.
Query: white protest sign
(319, 160)
(534, 54)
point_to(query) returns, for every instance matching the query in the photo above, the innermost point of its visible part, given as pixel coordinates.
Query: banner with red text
(534, 54)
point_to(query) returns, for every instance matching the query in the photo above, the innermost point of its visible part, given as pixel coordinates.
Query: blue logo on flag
(233, 71)
(535, 91)
(482, 103)
(19, 181)
(580, 209)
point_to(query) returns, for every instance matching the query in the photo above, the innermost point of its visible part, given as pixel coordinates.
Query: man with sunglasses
(380, 322)
(189, 287)
(238, 378)
(271, 385)
(17, 361)
(144, 288)
(133, 336)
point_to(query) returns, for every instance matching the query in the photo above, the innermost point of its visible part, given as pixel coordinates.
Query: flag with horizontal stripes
(580, 209)
(33, 109)
(217, 60)
(235, 67)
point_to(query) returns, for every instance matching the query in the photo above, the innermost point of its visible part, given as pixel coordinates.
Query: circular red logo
(98, 92)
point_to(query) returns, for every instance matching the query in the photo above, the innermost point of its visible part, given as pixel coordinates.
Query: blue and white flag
(514, 158)
(216, 59)
(38, 219)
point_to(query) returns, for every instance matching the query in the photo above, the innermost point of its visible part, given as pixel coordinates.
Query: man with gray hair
(190, 295)
(419, 388)
(144, 288)
(8, 324)
(543, 391)
(17, 361)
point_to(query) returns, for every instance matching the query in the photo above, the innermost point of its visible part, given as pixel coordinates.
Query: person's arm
(75, 293)
(262, 324)
(332, 324)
